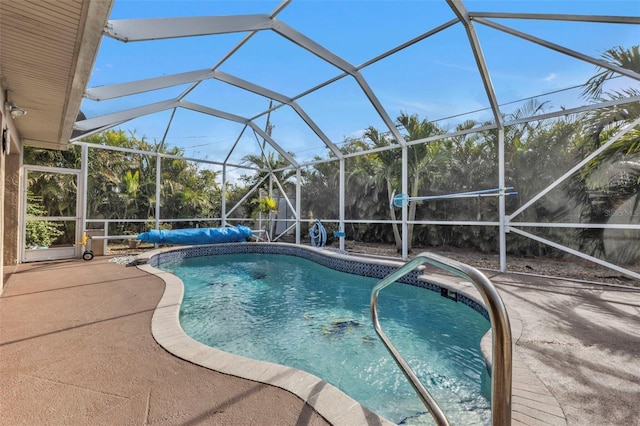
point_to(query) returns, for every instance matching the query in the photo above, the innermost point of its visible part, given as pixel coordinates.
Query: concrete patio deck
(76, 349)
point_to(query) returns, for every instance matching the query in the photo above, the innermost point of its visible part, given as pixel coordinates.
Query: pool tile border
(330, 402)
(370, 267)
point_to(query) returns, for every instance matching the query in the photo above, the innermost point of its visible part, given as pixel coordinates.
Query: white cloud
(550, 77)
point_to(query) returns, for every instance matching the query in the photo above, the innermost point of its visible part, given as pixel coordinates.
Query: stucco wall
(2, 161)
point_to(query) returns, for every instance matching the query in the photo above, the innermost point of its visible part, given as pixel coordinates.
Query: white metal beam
(248, 194)
(158, 203)
(298, 203)
(223, 199)
(166, 130)
(577, 167)
(575, 225)
(273, 143)
(404, 178)
(112, 91)
(213, 112)
(286, 197)
(482, 128)
(162, 28)
(561, 49)
(233, 147)
(311, 46)
(175, 157)
(411, 42)
(341, 203)
(379, 108)
(575, 252)
(569, 111)
(122, 116)
(232, 117)
(463, 15)
(336, 151)
(501, 203)
(251, 87)
(607, 19)
(254, 88)
(92, 132)
(242, 42)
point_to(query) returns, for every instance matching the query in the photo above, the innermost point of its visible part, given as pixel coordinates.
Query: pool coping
(328, 401)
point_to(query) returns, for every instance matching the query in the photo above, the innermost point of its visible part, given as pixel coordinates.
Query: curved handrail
(501, 373)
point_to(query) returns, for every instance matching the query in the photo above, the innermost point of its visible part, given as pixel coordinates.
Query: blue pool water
(294, 312)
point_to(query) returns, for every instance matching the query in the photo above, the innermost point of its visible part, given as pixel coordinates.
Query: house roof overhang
(47, 52)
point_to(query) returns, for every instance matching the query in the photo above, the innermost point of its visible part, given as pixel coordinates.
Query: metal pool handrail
(501, 332)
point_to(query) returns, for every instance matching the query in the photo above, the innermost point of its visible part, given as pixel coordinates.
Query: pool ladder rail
(501, 373)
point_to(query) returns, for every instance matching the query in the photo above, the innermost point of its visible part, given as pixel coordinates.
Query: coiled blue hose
(318, 234)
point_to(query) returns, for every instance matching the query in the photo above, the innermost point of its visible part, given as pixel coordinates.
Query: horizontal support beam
(561, 49)
(163, 28)
(251, 87)
(574, 225)
(122, 116)
(575, 252)
(113, 91)
(213, 112)
(605, 19)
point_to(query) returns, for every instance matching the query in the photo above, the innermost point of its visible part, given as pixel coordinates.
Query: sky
(436, 78)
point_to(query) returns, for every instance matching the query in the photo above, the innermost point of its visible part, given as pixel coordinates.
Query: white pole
(84, 173)
(501, 203)
(342, 193)
(223, 212)
(298, 204)
(158, 189)
(405, 207)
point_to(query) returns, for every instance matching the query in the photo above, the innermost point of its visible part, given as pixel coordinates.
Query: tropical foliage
(40, 233)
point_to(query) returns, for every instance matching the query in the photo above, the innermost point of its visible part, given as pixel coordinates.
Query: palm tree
(388, 169)
(615, 174)
(427, 161)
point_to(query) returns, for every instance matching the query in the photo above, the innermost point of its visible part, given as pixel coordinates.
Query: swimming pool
(295, 312)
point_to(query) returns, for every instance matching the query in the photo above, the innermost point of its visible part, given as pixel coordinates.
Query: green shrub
(40, 233)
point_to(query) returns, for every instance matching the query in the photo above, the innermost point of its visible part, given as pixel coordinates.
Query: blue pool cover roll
(197, 235)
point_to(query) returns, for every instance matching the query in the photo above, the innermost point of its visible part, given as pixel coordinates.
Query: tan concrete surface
(582, 341)
(76, 349)
(576, 349)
